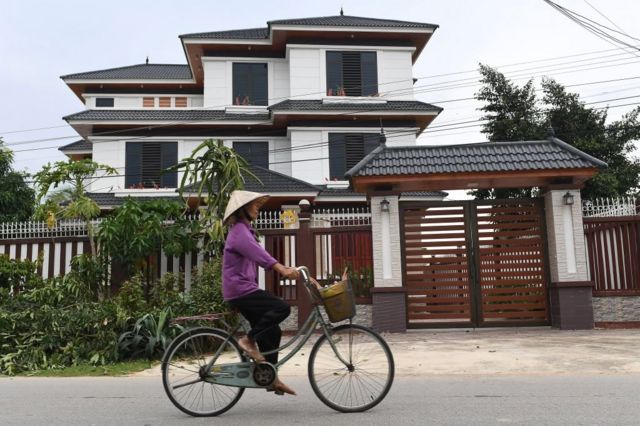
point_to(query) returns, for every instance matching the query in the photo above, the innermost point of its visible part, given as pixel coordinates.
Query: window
(347, 149)
(145, 162)
(352, 74)
(148, 102)
(164, 102)
(181, 102)
(250, 84)
(104, 102)
(256, 153)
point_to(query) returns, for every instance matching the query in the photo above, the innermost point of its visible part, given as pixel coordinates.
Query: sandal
(250, 348)
(280, 388)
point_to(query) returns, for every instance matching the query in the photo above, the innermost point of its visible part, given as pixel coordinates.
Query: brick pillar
(570, 291)
(304, 255)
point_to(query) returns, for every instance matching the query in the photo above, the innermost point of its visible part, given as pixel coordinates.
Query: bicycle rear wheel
(366, 378)
(183, 370)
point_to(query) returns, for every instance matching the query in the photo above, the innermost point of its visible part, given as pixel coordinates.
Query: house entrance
(475, 263)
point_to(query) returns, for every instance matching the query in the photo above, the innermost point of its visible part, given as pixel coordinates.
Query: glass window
(104, 102)
(250, 85)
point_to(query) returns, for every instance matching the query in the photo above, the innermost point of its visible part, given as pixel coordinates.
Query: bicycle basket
(338, 301)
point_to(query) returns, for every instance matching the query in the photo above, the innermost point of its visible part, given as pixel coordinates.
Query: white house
(302, 98)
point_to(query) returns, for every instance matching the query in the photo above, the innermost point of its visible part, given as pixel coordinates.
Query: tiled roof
(272, 182)
(352, 21)
(318, 105)
(160, 115)
(246, 34)
(105, 199)
(348, 192)
(136, 72)
(325, 21)
(480, 157)
(81, 145)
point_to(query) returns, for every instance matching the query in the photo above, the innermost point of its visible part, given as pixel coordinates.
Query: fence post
(305, 256)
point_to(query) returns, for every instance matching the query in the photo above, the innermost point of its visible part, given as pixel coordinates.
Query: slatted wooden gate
(475, 263)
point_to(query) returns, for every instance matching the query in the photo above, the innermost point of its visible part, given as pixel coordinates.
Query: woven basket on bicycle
(338, 301)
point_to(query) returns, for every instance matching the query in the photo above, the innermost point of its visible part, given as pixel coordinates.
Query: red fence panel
(613, 252)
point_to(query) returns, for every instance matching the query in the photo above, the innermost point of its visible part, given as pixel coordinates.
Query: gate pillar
(570, 289)
(388, 294)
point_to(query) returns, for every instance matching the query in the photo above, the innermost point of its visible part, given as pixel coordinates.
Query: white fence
(320, 218)
(611, 207)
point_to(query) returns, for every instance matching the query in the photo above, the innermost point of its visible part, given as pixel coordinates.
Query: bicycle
(350, 369)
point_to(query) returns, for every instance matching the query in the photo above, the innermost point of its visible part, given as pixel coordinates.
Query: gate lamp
(384, 205)
(568, 198)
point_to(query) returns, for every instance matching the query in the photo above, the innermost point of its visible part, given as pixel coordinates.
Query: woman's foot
(280, 388)
(248, 345)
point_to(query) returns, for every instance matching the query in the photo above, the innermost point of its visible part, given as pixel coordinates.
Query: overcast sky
(42, 40)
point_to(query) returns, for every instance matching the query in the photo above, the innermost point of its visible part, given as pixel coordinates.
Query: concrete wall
(134, 101)
(387, 251)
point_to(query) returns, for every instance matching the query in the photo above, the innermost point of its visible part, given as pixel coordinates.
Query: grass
(117, 369)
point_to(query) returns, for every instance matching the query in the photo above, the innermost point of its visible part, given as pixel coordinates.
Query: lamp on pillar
(568, 198)
(384, 206)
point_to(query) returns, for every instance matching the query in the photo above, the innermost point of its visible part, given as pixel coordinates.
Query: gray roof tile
(108, 199)
(352, 21)
(136, 72)
(325, 21)
(272, 182)
(318, 105)
(244, 34)
(479, 157)
(160, 115)
(81, 145)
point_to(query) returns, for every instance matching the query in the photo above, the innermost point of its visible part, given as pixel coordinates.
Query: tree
(213, 171)
(16, 197)
(136, 231)
(514, 114)
(80, 206)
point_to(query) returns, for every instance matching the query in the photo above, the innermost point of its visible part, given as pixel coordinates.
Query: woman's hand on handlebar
(287, 271)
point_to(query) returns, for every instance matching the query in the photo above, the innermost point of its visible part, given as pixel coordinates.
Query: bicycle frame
(239, 374)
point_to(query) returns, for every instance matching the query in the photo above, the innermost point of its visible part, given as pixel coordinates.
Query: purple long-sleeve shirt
(242, 254)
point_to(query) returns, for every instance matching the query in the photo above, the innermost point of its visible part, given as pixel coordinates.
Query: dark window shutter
(354, 148)
(334, 72)
(352, 73)
(132, 164)
(151, 164)
(369, 73)
(168, 158)
(256, 153)
(337, 156)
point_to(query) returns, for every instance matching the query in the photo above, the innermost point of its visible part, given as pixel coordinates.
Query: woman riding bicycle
(242, 255)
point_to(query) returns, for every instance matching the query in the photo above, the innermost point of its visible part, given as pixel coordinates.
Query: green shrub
(130, 301)
(206, 288)
(149, 337)
(52, 324)
(17, 274)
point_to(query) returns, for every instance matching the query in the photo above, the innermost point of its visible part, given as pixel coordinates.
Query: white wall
(395, 75)
(307, 71)
(134, 101)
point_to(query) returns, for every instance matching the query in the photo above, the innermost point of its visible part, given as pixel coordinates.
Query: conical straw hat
(242, 198)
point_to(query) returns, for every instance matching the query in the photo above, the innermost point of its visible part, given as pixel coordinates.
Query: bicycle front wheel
(362, 380)
(184, 370)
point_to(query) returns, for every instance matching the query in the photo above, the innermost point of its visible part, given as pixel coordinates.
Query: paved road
(455, 400)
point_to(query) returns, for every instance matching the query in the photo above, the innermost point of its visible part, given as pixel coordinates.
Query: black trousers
(264, 312)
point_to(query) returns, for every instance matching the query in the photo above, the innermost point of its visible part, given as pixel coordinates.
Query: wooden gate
(475, 263)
